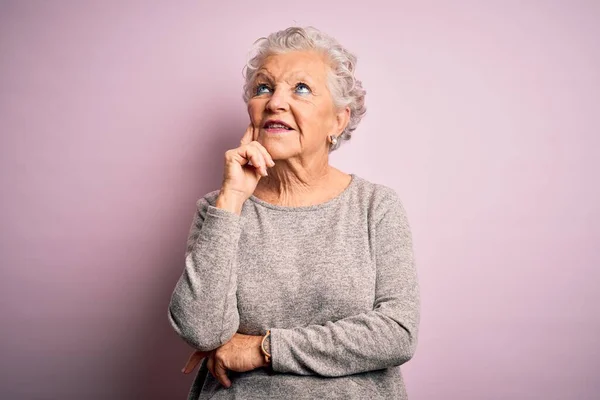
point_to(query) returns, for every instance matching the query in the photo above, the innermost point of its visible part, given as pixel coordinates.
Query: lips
(273, 124)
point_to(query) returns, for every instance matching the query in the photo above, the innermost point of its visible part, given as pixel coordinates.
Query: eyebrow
(263, 73)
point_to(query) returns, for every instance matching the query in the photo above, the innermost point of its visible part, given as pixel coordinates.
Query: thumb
(221, 374)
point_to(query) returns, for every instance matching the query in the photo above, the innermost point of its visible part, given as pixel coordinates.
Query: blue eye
(262, 89)
(302, 88)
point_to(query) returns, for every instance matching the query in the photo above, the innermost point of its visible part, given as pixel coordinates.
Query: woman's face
(292, 88)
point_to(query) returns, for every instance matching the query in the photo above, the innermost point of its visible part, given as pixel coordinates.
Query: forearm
(365, 342)
(203, 307)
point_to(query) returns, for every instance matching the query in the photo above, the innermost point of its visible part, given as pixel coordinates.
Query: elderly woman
(299, 280)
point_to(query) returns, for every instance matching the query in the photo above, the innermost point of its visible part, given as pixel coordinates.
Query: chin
(280, 150)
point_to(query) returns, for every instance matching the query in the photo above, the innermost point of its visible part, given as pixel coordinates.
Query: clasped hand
(242, 353)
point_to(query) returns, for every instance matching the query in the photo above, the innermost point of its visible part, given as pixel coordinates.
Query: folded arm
(203, 306)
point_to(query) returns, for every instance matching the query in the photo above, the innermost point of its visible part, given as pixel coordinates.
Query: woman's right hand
(244, 166)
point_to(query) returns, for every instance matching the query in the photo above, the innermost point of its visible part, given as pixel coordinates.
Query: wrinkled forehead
(293, 66)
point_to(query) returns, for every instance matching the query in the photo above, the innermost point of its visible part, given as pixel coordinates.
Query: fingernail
(183, 370)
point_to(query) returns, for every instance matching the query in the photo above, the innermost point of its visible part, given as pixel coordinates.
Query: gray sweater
(335, 282)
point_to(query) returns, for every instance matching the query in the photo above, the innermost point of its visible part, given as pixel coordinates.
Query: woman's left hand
(242, 353)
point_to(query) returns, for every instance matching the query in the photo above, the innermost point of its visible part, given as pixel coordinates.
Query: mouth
(276, 126)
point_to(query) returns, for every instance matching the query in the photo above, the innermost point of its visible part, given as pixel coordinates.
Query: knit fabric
(335, 283)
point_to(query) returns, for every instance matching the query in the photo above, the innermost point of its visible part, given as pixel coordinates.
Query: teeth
(277, 126)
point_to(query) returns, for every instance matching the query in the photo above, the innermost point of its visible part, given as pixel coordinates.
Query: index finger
(247, 138)
(193, 361)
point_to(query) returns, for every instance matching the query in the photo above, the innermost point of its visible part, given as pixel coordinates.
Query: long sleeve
(203, 306)
(377, 339)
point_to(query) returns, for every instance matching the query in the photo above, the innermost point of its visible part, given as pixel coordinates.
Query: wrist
(265, 348)
(231, 201)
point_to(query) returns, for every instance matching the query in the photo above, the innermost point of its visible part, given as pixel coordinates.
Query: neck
(293, 184)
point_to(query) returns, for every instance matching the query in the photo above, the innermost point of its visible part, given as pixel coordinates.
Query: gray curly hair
(345, 89)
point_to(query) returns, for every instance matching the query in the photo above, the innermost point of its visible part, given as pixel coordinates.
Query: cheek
(254, 112)
(309, 115)
(252, 109)
(256, 105)
(322, 120)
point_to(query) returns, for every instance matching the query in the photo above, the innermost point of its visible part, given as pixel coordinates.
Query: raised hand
(244, 166)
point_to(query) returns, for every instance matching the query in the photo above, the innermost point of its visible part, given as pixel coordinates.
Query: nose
(278, 101)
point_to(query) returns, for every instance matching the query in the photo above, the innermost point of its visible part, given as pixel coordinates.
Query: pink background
(483, 115)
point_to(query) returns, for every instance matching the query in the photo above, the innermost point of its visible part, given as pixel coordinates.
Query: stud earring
(333, 140)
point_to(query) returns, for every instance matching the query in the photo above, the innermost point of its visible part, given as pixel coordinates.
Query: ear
(342, 118)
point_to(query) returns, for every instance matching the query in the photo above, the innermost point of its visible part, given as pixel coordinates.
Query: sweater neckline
(314, 207)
